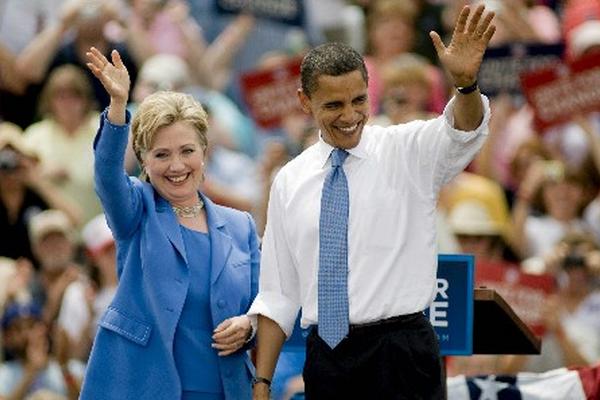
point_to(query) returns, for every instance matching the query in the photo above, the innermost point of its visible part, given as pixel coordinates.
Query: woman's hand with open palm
(115, 79)
(114, 76)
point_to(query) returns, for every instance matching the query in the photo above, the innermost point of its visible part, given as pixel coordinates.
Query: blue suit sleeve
(254, 271)
(118, 193)
(254, 257)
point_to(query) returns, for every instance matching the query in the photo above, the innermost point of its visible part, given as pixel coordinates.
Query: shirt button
(228, 373)
(221, 303)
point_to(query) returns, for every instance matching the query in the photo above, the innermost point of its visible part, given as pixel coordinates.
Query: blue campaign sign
(289, 12)
(451, 312)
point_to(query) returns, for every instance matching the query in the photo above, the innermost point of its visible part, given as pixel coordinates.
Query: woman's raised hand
(114, 76)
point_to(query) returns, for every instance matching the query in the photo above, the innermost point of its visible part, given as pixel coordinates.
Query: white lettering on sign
(438, 314)
(568, 95)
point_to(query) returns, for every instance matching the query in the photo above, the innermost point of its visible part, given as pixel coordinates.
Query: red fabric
(590, 380)
(578, 11)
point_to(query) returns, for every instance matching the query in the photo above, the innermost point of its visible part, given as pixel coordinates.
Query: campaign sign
(502, 65)
(289, 12)
(451, 312)
(271, 94)
(525, 293)
(558, 93)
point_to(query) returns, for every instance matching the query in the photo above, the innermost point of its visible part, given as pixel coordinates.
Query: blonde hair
(381, 9)
(161, 109)
(406, 69)
(66, 76)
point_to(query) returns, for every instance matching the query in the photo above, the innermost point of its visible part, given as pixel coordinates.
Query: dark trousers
(392, 360)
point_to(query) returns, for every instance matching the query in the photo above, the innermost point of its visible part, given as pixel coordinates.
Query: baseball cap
(167, 71)
(477, 206)
(49, 221)
(96, 234)
(584, 36)
(471, 217)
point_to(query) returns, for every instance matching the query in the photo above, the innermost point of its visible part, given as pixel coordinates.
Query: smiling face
(562, 199)
(67, 96)
(340, 107)
(174, 163)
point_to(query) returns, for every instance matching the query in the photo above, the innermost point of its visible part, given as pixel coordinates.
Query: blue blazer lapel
(170, 225)
(220, 241)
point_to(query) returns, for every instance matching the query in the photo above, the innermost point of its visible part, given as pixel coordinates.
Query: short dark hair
(332, 59)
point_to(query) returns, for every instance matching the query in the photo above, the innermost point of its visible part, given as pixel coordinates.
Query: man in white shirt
(393, 178)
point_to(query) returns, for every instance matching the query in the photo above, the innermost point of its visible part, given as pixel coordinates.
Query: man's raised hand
(462, 57)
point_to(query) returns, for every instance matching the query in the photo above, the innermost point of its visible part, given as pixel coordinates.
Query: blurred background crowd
(529, 204)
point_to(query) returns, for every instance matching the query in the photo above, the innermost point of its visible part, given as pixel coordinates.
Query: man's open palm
(462, 57)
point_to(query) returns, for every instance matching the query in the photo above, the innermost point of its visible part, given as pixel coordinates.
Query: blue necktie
(333, 253)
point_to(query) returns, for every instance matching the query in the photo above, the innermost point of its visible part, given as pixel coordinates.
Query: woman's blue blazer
(132, 355)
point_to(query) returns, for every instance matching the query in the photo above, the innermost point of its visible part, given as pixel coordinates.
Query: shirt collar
(325, 149)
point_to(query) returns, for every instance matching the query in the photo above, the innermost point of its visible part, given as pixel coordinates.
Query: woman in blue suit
(188, 268)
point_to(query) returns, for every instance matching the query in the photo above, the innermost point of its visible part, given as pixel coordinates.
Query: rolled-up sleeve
(464, 136)
(279, 287)
(460, 147)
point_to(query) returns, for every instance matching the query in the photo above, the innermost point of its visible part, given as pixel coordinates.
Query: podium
(497, 329)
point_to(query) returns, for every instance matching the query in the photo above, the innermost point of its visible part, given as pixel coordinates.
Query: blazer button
(221, 303)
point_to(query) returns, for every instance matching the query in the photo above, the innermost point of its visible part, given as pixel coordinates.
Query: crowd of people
(529, 202)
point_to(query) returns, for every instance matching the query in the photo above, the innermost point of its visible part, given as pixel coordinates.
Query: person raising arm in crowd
(369, 195)
(188, 269)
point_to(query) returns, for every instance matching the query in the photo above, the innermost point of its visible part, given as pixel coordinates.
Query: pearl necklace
(189, 211)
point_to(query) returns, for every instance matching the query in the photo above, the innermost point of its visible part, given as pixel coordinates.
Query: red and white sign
(525, 293)
(271, 93)
(558, 93)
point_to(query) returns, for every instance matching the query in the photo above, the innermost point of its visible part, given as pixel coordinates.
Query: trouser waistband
(388, 323)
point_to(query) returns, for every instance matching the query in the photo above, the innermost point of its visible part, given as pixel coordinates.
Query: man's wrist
(259, 380)
(470, 88)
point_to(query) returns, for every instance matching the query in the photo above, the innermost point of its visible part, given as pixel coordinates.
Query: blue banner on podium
(451, 312)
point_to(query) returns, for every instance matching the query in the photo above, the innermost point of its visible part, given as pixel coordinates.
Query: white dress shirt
(394, 176)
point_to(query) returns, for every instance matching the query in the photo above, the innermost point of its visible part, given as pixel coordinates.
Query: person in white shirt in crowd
(63, 137)
(375, 229)
(572, 314)
(549, 205)
(100, 249)
(62, 281)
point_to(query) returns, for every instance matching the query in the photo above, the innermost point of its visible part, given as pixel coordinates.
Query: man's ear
(304, 101)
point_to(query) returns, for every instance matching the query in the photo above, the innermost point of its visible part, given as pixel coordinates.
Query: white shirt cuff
(466, 136)
(276, 307)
